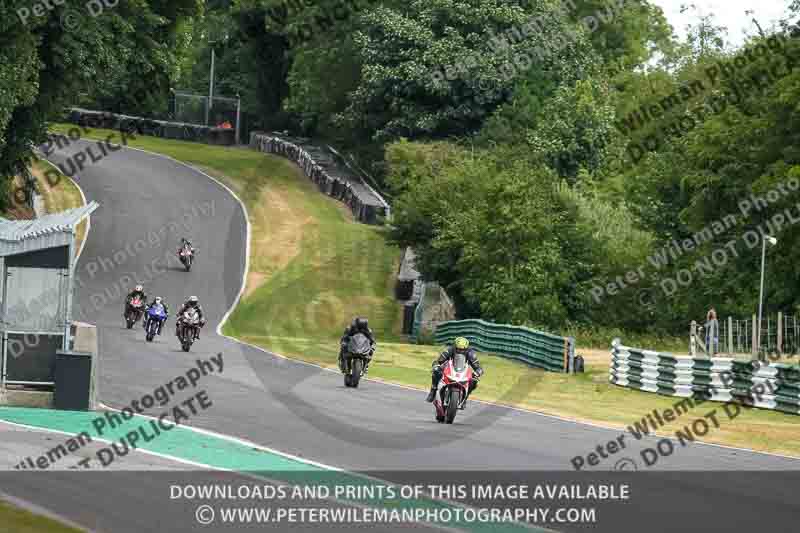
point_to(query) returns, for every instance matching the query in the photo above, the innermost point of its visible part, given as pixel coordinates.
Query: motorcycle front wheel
(355, 372)
(452, 405)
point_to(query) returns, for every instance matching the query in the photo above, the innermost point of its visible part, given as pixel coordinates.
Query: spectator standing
(712, 333)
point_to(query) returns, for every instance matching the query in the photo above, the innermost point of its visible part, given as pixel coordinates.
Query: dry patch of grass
(278, 227)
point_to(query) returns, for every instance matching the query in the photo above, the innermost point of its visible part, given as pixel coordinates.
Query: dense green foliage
(121, 59)
(505, 132)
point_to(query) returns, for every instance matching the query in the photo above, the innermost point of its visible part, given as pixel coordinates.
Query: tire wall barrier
(536, 348)
(319, 165)
(722, 379)
(153, 128)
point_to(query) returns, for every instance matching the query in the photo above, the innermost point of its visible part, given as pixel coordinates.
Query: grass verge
(21, 521)
(61, 197)
(312, 268)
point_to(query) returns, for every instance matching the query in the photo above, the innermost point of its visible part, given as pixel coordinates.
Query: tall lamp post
(773, 241)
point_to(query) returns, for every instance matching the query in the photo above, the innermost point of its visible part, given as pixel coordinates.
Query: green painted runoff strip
(183, 443)
(179, 442)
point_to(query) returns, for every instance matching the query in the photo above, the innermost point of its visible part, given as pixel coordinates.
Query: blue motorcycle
(154, 319)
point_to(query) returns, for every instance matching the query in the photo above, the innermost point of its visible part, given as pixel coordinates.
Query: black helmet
(361, 323)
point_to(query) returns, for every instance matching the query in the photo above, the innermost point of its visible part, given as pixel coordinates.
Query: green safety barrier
(536, 348)
(767, 386)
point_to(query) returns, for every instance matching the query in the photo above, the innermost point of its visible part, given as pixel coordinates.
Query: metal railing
(730, 336)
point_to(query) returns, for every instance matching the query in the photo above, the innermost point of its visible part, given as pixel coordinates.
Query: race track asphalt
(294, 407)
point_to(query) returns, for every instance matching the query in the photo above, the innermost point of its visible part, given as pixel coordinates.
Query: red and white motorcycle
(186, 256)
(134, 311)
(457, 375)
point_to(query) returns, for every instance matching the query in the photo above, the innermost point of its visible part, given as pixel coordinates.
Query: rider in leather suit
(359, 325)
(460, 345)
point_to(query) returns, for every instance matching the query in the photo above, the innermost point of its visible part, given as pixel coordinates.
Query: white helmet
(138, 288)
(158, 299)
(193, 299)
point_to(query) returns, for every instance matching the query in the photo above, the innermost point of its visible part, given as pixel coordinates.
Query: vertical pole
(761, 293)
(211, 82)
(3, 310)
(238, 116)
(730, 335)
(779, 343)
(68, 296)
(753, 351)
(692, 338)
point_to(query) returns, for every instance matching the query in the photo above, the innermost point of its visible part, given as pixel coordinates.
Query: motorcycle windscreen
(359, 344)
(459, 362)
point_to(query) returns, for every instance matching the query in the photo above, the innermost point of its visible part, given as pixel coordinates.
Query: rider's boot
(431, 395)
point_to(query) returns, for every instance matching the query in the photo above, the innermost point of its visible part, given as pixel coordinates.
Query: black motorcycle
(190, 326)
(356, 357)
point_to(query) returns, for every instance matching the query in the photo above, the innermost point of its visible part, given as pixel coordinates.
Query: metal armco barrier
(155, 128)
(319, 166)
(722, 379)
(536, 348)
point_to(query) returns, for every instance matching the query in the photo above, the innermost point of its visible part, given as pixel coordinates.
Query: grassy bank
(312, 268)
(20, 521)
(65, 195)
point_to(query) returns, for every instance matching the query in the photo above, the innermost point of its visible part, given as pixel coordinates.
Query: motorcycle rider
(460, 345)
(137, 292)
(157, 301)
(185, 244)
(192, 302)
(358, 325)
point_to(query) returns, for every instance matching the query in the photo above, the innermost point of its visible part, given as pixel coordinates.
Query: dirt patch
(595, 357)
(278, 228)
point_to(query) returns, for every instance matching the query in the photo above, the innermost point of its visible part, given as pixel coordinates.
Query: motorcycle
(355, 359)
(186, 256)
(154, 318)
(190, 324)
(457, 375)
(134, 312)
